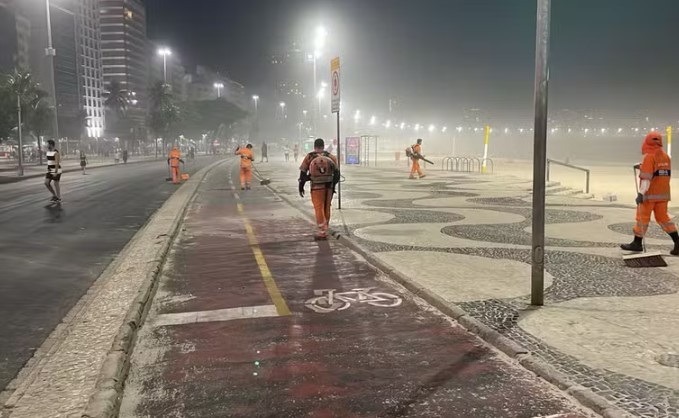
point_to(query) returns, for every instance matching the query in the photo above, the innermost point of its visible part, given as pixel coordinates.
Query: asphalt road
(50, 256)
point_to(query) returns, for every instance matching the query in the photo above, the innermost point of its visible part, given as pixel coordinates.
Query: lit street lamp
(219, 87)
(431, 128)
(164, 52)
(319, 43)
(282, 106)
(256, 99)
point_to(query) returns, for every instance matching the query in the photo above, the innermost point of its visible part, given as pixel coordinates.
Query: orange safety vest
(657, 167)
(175, 156)
(246, 157)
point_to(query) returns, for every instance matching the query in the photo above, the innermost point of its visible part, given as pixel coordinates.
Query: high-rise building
(291, 67)
(124, 46)
(55, 68)
(64, 57)
(15, 35)
(91, 72)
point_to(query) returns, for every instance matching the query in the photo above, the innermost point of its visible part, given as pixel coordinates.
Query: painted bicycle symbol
(328, 300)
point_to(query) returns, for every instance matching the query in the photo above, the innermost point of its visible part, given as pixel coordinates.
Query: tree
(26, 93)
(164, 114)
(199, 116)
(39, 121)
(117, 102)
(8, 112)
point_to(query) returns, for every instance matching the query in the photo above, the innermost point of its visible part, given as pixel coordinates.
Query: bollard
(486, 138)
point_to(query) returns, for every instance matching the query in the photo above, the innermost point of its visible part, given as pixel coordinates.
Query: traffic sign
(335, 84)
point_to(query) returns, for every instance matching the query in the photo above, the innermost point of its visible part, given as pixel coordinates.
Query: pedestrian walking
(125, 155)
(286, 152)
(83, 161)
(53, 175)
(116, 156)
(265, 152)
(295, 152)
(322, 169)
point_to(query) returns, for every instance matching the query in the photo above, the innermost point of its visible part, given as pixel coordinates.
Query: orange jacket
(246, 157)
(417, 149)
(174, 157)
(656, 167)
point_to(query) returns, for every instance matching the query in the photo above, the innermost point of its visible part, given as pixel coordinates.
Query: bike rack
(448, 162)
(492, 166)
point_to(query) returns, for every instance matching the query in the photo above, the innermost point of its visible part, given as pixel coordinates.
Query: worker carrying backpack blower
(654, 193)
(322, 169)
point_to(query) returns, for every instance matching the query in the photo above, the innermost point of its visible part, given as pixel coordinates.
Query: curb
(584, 396)
(106, 399)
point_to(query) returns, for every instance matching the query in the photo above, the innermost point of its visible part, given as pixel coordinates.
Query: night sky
(440, 56)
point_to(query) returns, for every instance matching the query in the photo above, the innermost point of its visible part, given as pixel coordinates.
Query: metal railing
(549, 162)
(464, 164)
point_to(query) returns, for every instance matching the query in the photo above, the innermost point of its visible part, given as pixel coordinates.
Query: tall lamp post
(219, 86)
(319, 43)
(50, 52)
(540, 151)
(165, 52)
(255, 98)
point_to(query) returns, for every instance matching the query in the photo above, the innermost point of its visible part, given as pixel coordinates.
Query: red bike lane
(234, 331)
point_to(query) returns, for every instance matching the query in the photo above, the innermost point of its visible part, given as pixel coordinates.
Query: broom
(263, 180)
(644, 259)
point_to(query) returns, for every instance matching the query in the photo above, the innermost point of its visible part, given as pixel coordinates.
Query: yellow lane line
(269, 282)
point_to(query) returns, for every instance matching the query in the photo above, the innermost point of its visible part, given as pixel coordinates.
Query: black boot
(675, 238)
(634, 245)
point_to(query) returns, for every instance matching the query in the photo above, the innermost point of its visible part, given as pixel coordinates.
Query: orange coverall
(415, 168)
(174, 158)
(246, 159)
(321, 197)
(655, 175)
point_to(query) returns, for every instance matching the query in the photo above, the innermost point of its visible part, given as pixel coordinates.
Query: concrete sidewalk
(244, 324)
(466, 238)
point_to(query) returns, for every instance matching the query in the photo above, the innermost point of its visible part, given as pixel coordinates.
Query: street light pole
(50, 52)
(540, 152)
(20, 168)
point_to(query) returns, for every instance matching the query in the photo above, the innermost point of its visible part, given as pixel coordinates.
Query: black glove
(301, 187)
(639, 199)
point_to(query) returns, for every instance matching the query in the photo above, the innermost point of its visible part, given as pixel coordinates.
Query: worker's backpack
(322, 168)
(409, 152)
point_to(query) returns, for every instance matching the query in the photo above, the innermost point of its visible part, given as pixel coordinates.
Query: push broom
(644, 259)
(262, 180)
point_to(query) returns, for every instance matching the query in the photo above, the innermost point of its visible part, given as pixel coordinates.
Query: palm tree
(39, 120)
(163, 112)
(117, 101)
(25, 90)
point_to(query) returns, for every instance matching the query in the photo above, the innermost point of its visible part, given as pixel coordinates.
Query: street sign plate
(335, 82)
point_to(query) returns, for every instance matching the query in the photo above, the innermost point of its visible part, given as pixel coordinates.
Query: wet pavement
(243, 324)
(50, 255)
